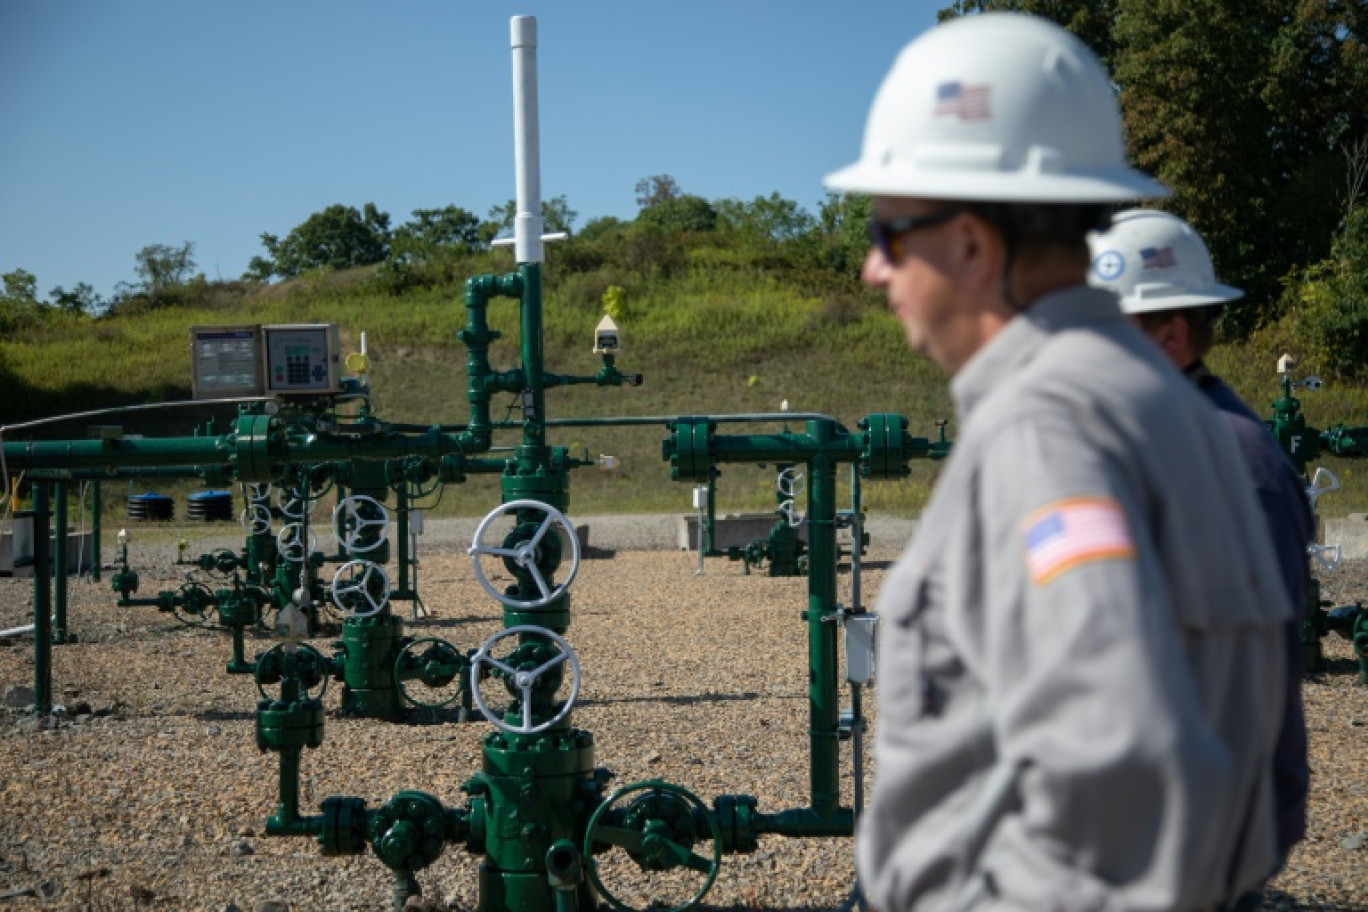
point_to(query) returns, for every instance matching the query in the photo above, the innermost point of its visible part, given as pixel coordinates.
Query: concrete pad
(16, 549)
(730, 530)
(1350, 533)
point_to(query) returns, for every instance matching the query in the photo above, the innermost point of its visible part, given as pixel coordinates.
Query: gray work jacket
(1090, 596)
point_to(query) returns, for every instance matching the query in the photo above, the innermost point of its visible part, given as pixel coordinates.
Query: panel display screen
(225, 361)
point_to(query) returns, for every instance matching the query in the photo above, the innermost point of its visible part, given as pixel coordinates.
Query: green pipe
(239, 663)
(42, 601)
(740, 418)
(807, 823)
(783, 447)
(287, 816)
(59, 563)
(95, 475)
(123, 451)
(477, 336)
(405, 887)
(533, 357)
(618, 421)
(257, 449)
(823, 706)
(401, 495)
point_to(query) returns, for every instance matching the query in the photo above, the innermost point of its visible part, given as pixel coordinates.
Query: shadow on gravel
(424, 623)
(681, 700)
(1279, 901)
(443, 716)
(1334, 668)
(844, 566)
(223, 715)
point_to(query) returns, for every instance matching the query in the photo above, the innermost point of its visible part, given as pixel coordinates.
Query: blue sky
(139, 122)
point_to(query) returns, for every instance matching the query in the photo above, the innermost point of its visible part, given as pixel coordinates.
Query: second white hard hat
(1155, 261)
(996, 107)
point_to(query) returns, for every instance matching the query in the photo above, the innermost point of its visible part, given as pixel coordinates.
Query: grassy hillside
(711, 338)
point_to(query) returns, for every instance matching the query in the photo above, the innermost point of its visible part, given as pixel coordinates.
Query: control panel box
(302, 358)
(226, 362)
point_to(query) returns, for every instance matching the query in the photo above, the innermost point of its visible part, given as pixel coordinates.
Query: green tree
(767, 219)
(843, 226)
(19, 304)
(656, 189)
(339, 237)
(604, 226)
(1090, 20)
(1244, 108)
(80, 300)
(21, 287)
(681, 213)
(1328, 303)
(163, 267)
(433, 231)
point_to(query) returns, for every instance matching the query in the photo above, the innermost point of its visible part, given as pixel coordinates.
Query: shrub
(1329, 302)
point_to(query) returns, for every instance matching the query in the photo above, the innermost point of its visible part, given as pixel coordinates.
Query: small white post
(700, 502)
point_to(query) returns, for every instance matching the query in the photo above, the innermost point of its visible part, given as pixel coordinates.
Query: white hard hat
(996, 107)
(1155, 261)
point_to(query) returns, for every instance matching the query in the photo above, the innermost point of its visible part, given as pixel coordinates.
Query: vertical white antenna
(527, 224)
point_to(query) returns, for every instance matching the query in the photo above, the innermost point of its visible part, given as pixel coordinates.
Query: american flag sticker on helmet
(1079, 530)
(967, 102)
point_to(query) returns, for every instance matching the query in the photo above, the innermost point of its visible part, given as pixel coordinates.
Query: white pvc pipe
(527, 223)
(17, 631)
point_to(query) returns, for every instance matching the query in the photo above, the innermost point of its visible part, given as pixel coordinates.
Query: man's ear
(977, 251)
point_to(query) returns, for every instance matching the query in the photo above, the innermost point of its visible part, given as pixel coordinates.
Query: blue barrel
(210, 506)
(151, 506)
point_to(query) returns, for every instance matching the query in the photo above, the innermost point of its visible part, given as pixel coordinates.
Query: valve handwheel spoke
(291, 544)
(353, 519)
(429, 672)
(524, 679)
(194, 604)
(640, 843)
(541, 583)
(256, 518)
(360, 588)
(528, 557)
(658, 830)
(258, 493)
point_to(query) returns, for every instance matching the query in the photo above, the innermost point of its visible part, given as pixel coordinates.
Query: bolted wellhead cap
(996, 107)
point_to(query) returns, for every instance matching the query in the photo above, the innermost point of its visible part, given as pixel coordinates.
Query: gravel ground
(149, 792)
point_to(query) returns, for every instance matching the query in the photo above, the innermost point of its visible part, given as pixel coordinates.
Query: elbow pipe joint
(563, 865)
(479, 289)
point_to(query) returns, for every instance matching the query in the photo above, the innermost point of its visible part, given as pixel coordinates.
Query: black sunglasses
(883, 234)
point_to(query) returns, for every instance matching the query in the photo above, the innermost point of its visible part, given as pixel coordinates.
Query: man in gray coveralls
(1081, 661)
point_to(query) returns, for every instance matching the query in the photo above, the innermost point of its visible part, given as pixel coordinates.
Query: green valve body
(367, 649)
(533, 791)
(787, 552)
(538, 473)
(1288, 426)
(293, 724)
(1351, 622)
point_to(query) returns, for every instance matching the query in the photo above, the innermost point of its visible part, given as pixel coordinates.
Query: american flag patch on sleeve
(1066, 533)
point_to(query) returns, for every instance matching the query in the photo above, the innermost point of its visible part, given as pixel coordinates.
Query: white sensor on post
(607, 337)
